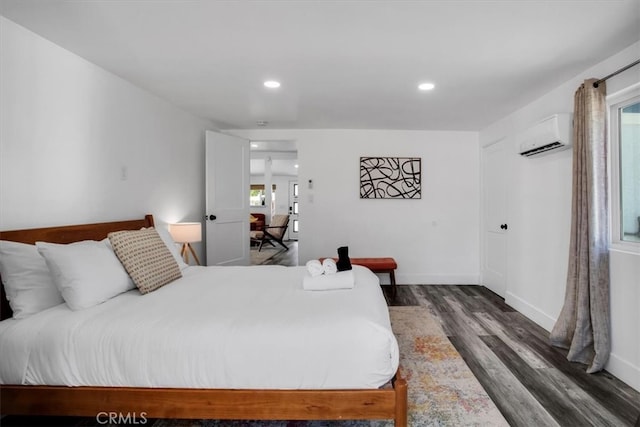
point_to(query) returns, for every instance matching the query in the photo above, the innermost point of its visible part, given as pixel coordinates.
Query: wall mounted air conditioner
(551, 134)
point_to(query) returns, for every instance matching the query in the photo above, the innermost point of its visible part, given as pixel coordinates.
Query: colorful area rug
(442, 388)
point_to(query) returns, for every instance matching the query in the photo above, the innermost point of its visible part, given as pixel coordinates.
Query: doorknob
(209, 217)
(503, 226)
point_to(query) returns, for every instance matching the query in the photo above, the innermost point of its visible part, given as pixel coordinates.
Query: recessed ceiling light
(272, 84)
(426, 86)
(295, 166)
(254, 145)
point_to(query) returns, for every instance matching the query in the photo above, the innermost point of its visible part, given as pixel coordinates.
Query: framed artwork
(390, 178)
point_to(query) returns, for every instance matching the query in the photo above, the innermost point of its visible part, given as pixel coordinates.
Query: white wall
(539, 217)
(67, 130)
(434, 239)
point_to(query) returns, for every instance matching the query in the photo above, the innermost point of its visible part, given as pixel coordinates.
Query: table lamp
(186, 233)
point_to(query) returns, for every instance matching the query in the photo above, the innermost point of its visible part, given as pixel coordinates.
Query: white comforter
(217, 327)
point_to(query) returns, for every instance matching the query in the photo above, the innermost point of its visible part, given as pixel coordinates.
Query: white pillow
(168, 240)
(87, 273)
(26, 278)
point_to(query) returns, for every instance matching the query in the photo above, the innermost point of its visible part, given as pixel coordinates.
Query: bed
(265, 395)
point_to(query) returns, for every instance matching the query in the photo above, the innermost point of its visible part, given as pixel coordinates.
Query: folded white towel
(314, 267)
(329, 266)
(341, 280)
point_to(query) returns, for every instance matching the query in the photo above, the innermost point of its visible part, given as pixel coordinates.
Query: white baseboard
(530, 311)
(624, 370)
(420, 279)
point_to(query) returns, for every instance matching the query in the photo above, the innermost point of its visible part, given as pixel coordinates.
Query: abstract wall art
(390, 178)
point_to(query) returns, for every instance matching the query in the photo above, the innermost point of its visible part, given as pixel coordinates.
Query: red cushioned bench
(377, 265)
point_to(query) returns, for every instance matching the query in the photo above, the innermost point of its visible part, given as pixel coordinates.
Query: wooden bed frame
(384, 403)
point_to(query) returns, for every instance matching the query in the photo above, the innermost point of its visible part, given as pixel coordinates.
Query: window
(257, 195)
(625, 169)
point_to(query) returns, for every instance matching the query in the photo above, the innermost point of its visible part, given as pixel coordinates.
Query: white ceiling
(281, 156)
(342, 64)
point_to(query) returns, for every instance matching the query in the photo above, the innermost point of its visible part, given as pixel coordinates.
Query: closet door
(494, 217)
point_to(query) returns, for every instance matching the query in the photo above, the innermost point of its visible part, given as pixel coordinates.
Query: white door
(227, 202)
(294, 222)
(494, 217)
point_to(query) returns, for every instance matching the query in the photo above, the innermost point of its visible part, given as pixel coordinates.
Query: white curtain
(583, 326)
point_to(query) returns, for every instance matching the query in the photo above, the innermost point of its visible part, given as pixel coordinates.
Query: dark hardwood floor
(531, 382)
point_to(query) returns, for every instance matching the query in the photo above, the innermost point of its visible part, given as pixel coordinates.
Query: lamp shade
(186, 232)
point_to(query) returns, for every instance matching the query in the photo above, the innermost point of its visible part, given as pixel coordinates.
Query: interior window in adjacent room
(257, 195)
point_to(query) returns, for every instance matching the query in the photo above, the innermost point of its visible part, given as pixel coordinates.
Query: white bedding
(217, 327)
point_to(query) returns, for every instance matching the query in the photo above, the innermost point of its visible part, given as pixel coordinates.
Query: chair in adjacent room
(273, 232)
(256, 221)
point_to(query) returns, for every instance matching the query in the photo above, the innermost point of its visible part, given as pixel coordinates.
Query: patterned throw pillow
(146, 258)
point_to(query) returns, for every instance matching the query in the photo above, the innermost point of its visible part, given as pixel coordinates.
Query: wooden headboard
(66, 234)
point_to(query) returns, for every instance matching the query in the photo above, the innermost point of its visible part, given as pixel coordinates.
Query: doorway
(274, 168)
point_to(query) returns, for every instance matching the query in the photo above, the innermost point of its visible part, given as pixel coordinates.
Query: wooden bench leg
(392, 279)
